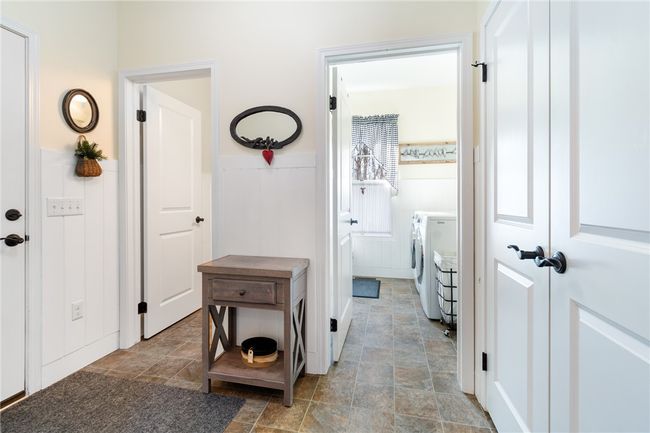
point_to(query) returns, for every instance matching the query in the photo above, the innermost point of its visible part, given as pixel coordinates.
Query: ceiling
(431, 70)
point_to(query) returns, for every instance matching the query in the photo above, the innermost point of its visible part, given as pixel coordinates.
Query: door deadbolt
(13, 214)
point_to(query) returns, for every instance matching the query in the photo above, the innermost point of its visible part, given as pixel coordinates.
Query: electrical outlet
(77, 310)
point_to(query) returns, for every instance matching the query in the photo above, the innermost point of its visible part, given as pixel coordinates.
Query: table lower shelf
(230, 367)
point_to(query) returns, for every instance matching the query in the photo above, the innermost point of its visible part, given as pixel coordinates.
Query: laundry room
(404, 187)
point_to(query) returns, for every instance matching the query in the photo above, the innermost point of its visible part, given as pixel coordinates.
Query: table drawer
(252, 292)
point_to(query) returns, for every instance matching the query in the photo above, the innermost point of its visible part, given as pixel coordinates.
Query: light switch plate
(64, 206)
(54, 207)
(73, 206)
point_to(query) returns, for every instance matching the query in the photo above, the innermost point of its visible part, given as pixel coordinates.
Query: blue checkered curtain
(376, 135)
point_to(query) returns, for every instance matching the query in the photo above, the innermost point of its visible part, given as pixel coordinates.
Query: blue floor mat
(365, 288)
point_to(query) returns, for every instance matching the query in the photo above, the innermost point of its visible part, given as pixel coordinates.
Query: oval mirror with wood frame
(80, 110)
(266, 127)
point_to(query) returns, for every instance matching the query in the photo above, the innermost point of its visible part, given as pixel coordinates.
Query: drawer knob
(242, 292)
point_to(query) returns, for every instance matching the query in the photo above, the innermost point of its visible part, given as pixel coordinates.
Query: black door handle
(528, 255)
(352, 221)
(557, 262)
(198, 219)
(12, 240)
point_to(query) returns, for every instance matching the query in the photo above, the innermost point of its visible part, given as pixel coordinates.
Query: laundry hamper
(446, 284)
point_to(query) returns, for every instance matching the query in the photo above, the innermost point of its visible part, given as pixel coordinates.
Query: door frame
(465, 181)
(130, 200)
(481, 221)
(33, 288)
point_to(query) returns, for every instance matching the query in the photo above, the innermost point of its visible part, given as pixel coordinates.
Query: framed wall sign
(435, 152)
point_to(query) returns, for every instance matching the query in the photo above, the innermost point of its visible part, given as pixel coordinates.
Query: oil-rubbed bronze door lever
(527, 255)
(557, 262)
(12, 240)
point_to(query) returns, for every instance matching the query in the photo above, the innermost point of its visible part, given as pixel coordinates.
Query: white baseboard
(372, 271)
(62, 367)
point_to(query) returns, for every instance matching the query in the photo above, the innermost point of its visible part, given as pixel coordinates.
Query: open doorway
(401, 214)
(176, 196)
(166, 226)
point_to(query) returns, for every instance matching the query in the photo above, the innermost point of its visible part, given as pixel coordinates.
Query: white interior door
(172, 203)
(12, 196)
(342, 138)
(517, 213)
(600, 215)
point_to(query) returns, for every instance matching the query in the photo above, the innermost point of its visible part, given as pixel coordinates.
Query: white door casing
(600, 216)
(172, 201)
(13, 177)
(341, 123)
(517, 212)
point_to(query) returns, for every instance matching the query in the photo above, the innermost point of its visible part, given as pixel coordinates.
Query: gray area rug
(90, 402)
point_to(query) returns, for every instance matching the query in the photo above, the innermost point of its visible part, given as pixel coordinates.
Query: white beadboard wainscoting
(80, 263)
(390, 256)
(270, 211)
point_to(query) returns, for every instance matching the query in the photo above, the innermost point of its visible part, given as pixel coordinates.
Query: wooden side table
(270, 283)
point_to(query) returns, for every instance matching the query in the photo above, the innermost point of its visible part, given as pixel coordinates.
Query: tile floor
(396, 374)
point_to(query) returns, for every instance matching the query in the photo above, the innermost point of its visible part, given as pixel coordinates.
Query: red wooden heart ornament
(268, 155)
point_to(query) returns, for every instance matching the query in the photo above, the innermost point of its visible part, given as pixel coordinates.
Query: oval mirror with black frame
(80, 110)
(266, 127)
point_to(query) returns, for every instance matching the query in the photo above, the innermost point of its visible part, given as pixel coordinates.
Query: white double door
(173, 208)
(13, 133)
(567, 120)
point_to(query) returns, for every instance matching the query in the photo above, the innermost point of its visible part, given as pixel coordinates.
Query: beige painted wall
(78, 49)
(84, 43)
(425, 114)
(267, 52)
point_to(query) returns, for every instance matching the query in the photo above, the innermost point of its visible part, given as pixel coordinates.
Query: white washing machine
(436, 231)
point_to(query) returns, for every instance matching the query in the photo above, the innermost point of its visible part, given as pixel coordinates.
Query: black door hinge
(141, 115)
(142, 307)
(332, 102)
(334, 325)
(483, 361)
(483, 66)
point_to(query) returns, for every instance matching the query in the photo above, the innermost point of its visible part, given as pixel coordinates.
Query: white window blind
(371, 207)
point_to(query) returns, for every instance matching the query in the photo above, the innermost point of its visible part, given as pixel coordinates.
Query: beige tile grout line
(260, 415)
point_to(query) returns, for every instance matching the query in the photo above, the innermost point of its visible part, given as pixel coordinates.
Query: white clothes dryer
(436, 231)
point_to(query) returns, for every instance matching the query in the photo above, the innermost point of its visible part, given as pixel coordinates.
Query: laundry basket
(447, 287)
